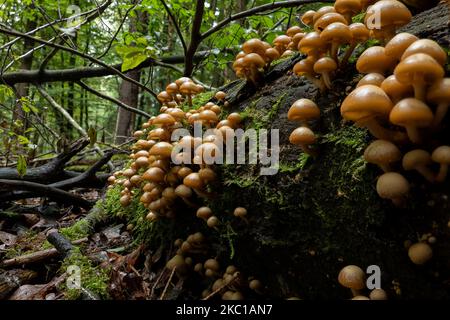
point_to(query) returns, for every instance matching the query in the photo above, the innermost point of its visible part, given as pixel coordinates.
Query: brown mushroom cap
(164, 97)
(396, 90)
(303, 110)
(183, 191)
(378, 294)
(240, 212)
(327, 19)
(302, 136)
(188, 88)
(336, 33)
(429, 47)
(420, 253)
(204, 213)
(375, 79)
(366, 101)
(253, 46)
(193, 181)
(272, 54)
(304, 67)
(393, 186)
(441, 155)
(254, 60)
(418, 160)
(154, 174)
(312, 45)
(322, 11)
(352, 277)
(374, 59)
(418, 70)
(162, 149)
(398, 44)
(307, 18)
(359, 31)
(382, 153)
(220, 95)
(164, 119)
(348, 8)
(293, 31)
(392, 14)
(412, 114)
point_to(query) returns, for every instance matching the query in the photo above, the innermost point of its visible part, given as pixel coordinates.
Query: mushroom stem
(348, 17)
(326, 80)
(348, 54)
(189, 203)
(190, 100)
(334, 51)
(382, 133)
(442, 173)
(398, 202)
(419, 90)
(441, 111)
(413, 134)
(426, 173)
(385, 167)
(203, 194)
(317, 82)
(355, 292)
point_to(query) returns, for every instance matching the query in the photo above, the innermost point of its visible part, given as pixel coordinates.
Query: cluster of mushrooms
(153, 173)
(190, 257)
(354, 278)
(304, 111)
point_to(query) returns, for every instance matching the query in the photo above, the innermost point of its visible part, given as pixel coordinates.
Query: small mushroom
(241, 212)
(419, 70)
(365, 105)
(378, 294)
(324, 66)
(303, 137)
(396, 90)
(360, 34)
(303, 110)
(189, 89)
(420, 253)
(328, 19)
(439, 94)
(348, 8)
(375, 79)
(204, 213)
(412, 114)
(398, 44)
(312, 45)
(441, 155)
(322, 11)
(374, 59)
(393, 186)
(428, 47)
(305, 68)
(419, 160)
(382, 153)
(307, 18)
(220, 95)
(352, 277)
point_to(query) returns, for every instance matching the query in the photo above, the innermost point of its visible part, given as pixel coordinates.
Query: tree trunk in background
(22, 88)
(128, 92)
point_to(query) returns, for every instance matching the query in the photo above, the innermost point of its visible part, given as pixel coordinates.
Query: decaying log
(35, 256)
(12, 279)
(61, 243)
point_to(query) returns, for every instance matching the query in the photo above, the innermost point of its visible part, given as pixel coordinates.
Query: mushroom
(428, 47)
(439, 94)
(322, 11)
(241, 212)
(328, 19)
(324, 66)
(352, 277)
(281, 43)
(337, 34)
(303, 137)
(164, 97)
(382, 153)
(385, 16)
(441, 155)
(292, 31)
(412, 114)
(204, 213)
(253, 46)
(254, 62)
(303, 110)
(220, 95)
(172, 89)
(212, 222)
(360, 34)
(419, 70)
(393, 186)
(365, 105)
(375, 79)
(378, 294)
(418, 160)
(271, 54)
(189, 89)
(348, 8)
(420, 253)
(305, 68)
(398, 44)
(312, 45)
(307, 18)
(396, 90)
(374, 59)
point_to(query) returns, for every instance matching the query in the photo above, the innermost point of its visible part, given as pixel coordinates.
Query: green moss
(295, 166)
(93, 279)
(258, 117)
(201, 99)
(78, 230)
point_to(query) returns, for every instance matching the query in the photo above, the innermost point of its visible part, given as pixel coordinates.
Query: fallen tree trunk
(12, 279)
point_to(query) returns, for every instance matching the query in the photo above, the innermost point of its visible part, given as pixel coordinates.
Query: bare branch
(116, 101)
(196, 37)
(177, 27)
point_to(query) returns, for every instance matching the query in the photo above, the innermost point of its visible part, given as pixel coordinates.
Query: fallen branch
(37, 256)
(45, 190)
(12, 279)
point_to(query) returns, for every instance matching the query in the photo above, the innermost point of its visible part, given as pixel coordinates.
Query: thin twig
(177, 27)
(167, 284)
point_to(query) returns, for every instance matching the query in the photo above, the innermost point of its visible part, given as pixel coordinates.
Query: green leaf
(92, 133)
(133, 62)
(21, 166)
(23, 140)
